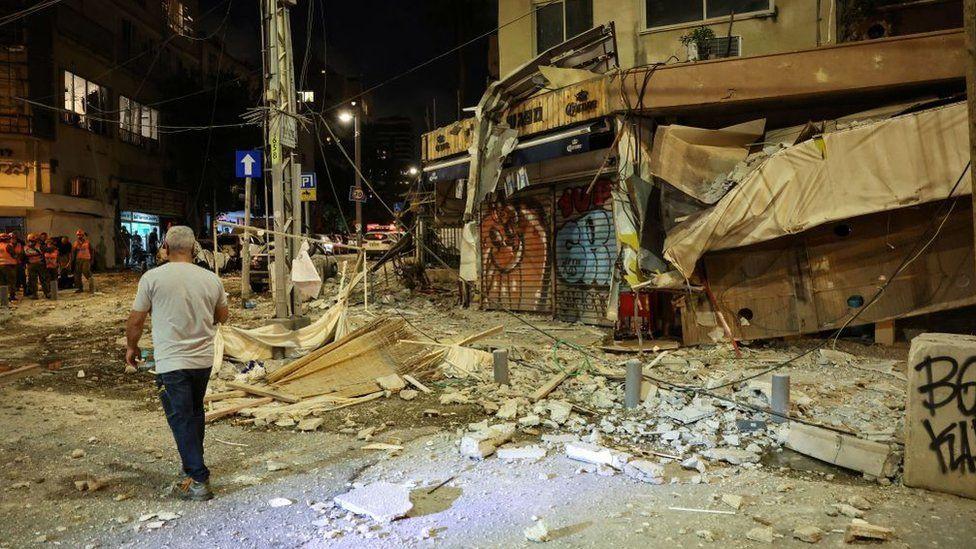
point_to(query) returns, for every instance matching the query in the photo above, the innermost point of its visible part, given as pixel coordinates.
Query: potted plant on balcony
(697, 42)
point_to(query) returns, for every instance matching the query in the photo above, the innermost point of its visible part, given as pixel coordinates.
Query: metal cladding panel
(516, 240)
(586, 249)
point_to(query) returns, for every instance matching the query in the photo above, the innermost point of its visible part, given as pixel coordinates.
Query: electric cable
(27, 12)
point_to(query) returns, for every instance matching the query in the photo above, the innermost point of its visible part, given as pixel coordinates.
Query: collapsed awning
(455, 168)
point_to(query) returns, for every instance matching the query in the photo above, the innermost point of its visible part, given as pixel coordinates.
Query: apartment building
(651, 31)
(82, 139)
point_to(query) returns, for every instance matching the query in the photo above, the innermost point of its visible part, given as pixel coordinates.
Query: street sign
(247, 163)
(357, 195)
(308, 187)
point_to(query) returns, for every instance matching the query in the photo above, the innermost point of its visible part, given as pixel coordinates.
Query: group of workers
(43, 259)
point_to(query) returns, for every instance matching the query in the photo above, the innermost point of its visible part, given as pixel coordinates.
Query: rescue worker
(81, 256)
(36, 269)
(52, 261)
(8, 265)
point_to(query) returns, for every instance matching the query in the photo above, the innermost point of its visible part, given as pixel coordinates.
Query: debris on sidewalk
(483, 442)
(538, 532)
(862, 530)
(381, 501)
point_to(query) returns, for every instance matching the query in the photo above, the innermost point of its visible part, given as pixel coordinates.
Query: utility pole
(281, 141)
(969, 23)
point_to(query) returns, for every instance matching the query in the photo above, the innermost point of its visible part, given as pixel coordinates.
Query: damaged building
(734, 197)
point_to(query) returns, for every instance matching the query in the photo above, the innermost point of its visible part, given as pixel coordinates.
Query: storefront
(141, 224)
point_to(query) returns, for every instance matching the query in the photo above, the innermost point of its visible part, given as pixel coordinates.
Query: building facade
(81, 144)
(651, 31)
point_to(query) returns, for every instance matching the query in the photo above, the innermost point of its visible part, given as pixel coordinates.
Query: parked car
(377, 243)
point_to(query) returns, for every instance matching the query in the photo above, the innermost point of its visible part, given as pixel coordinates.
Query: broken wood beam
(231, 410)
(264, 391)
(413, 381)
(868, 457)
(223, 395)
(550, 386)
(481, 335)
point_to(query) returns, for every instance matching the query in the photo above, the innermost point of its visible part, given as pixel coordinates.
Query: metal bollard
(4, 297)
(635, 376)
(500, 357)
(780, 398)
(53, 289)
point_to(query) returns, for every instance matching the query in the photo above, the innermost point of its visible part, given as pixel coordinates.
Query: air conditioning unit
(724, 46)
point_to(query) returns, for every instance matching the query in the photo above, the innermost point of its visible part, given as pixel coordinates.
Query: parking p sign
(308, 187)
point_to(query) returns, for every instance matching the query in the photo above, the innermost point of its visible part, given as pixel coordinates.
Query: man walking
(81, 256)
(186, 303)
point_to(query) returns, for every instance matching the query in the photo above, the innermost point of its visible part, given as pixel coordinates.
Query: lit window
(556, 22)
(84, 103)
(663, 13)
(178, 17)
(138, 124)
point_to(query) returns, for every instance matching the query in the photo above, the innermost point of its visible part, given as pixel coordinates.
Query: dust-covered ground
(60, 427)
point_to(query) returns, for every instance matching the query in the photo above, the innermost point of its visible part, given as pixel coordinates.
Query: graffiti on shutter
(516, 239)
(586, 248)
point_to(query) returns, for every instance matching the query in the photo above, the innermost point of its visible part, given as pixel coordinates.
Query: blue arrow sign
(247, 163)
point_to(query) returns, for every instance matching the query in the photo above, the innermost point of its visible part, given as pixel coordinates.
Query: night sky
(377, 39)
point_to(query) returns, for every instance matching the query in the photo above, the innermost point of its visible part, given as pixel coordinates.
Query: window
(556, 22)
(178, 17)
(84, 103)
(138, 124)
(663, 13)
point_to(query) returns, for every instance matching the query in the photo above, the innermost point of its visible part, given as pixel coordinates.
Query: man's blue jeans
(181, 392)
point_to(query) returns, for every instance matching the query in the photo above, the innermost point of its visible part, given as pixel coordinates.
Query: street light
(347, 116)
(412, 170)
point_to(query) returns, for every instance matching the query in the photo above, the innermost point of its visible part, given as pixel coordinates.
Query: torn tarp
(697, 161)
(881, 166)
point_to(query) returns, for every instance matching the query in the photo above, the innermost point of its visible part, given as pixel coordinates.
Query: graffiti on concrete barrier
(516, 255)
(950, 385)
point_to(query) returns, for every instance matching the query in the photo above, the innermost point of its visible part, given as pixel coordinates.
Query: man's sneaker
(190, 489)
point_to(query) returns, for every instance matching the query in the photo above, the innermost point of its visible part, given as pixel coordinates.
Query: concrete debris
(409, 394)
(559, 410)
(508, 410)
(381, 501)
(596, 454)
(693, 463)
(391, 383)
(760, 534)
(482, 443)
(808, 534)
(512, 452)
(645, 471)
(310, 424)
(538, 532)
(77, 453)
(735, 456)
(279, 502)
(453, 398)
(529, 421)
(273, 465)
(848, 510)
(81, 374)
(732, 500)
(88, 485)
(861, 530)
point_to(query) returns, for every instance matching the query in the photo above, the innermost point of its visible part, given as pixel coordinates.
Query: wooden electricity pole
(969, 22)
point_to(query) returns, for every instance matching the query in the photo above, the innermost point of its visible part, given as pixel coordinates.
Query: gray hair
(180, 238)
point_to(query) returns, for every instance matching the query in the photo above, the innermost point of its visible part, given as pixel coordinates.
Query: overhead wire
(16, 16)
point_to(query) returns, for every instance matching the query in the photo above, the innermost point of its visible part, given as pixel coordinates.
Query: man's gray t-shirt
(182, 299)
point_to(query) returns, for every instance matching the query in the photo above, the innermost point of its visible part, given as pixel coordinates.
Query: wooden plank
(482, 335)
(11, 375)
(231, 410)
(264, 391)
(223, 395)
(413, 381)
(550, 386)
(299, 363)
(869, 457)
(884, 332)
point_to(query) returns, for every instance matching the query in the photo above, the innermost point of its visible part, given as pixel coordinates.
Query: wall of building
(791, 26)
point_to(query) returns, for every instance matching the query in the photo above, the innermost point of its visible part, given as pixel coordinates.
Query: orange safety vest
(34, 255)
(83, 248)
(51, 258)
(7, 257)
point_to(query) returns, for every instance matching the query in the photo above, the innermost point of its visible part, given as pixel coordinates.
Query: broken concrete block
(529, 421)
(559, 411)
(481, 444)
(760, 534)
(596, 454)
(508, 410)
(869, 457)
(808, 534)
(735, 456)
(645, 471)
(533, 451)
(732, 500)
(279, 502)
(559, 439)
(848, 510)
(381, 501)
(694, 463)
(861, 530)
(392, 383)
(77, 453)
(538, 532)
(938, 417)
(310, 423)
(453, 398)
(285, 422)
(859, 502)
(408, 394)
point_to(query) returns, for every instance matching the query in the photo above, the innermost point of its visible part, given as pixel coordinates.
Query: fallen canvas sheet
(898, 162)
(257, 343)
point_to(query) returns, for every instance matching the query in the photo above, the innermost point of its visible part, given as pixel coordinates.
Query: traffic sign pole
(246, 246)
